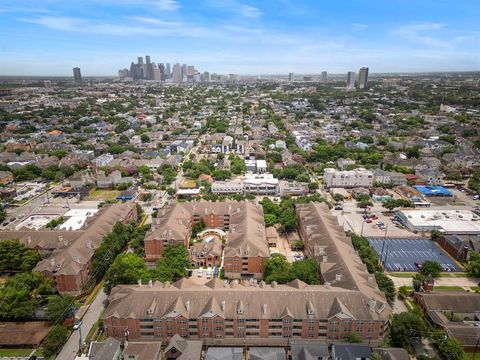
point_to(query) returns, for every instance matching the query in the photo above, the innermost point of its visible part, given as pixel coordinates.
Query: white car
(200, 272)
(77, 324)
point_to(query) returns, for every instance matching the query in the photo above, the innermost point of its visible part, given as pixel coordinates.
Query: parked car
(77, 324)
(200, 272)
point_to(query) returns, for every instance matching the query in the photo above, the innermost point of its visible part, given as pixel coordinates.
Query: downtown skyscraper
(351, 80)
(77, 75)
(363, 78)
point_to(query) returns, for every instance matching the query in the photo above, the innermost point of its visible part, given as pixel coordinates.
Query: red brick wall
(153, 249)
(255, 264)
(213, 221)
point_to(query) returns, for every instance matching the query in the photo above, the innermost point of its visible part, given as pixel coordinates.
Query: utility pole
(476, 346)
(80, 339)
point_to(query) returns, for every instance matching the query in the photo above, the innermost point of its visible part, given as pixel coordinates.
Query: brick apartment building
(246, 245)
(69, 266)
(243, 313)
(254, 313)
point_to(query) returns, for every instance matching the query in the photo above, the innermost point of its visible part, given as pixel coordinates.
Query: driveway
(70, 349)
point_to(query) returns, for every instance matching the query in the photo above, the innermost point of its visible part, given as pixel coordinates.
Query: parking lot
(405, 254)
(351, 218)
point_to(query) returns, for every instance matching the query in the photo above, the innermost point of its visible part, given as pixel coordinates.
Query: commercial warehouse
(446, 221)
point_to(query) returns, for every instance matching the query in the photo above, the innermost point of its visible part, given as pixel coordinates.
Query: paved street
(70, 349)
(449, 281)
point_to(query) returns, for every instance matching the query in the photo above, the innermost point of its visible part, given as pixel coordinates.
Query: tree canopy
(278, 269)
(15, 256)
(126, 269)
(431, 267)
(53, 342)
(59, 307)
(473, 265)
(404, 326)
(19, 295)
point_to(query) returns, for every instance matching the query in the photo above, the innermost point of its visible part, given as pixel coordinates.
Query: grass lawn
(475, 288)
(104, 195)
(402, 274)
(15, 352)
(469, 356)
(448, 288)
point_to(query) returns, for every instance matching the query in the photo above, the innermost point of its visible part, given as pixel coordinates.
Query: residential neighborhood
(240, 218)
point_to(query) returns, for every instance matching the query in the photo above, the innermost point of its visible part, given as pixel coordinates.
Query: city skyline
(241, 37)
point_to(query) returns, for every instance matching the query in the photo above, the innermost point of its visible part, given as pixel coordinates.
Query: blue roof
(430, 190)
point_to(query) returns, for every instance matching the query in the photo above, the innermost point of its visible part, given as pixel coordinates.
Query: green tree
(59, 307)
(305, 270)
(417, 281)
(270, 219)
(3, 214)
(451, 349)
(353, 338)
(396, 203)
(431, 267)
(313, 186)
(474, 181)
(19, 295)
(144, 138)
(277, 268)
(16, 256)
(198, 227)
(435, 235)
(413, 152)
(403, 327)
(53, 342)
(127, 268)
(173, 265)
(473, 265)
(386, 285)
(403, 292)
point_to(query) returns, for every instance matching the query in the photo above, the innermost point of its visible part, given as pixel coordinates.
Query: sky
(247, 37)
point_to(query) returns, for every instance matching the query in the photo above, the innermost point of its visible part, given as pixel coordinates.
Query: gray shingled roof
(259, 301)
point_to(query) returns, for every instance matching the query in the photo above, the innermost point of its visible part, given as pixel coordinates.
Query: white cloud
(421, 33)
(359, 26)
(237, 7)
(170, 5)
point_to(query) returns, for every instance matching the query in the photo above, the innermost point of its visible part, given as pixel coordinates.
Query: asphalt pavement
(71, 347)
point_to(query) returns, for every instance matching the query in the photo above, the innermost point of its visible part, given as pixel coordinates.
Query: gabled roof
(338, 308)
(177, 308)
(212, 308)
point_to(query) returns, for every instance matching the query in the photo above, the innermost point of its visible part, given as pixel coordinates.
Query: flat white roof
(36, 222)
(260, 179)
(450, 221)
(77, 218)
(188, 191)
